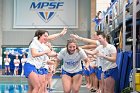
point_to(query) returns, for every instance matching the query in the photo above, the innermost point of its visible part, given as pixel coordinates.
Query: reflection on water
(13, 88)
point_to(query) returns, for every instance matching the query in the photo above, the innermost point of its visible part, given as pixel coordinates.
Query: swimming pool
(13, 88)
(10, 85)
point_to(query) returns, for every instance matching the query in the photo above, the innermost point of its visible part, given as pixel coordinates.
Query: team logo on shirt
(46, 10)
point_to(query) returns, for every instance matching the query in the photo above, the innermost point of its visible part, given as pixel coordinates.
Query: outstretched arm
(94, 52)
(89, 46)
(86, 40)
(54, 36)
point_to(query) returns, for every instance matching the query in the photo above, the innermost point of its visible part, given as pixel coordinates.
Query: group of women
(103, 67)
(36, 67)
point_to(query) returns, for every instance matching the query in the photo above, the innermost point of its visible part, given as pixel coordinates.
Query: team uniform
(35, 63)
(72, 63)
(88, 72)
(109, 68)
(16, 63)
(7, 61)
(98, 69)
(23, 60)
(96, 62)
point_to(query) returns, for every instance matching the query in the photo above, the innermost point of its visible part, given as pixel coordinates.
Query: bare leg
(94, 81)
(8, 69)
(67, 83)
(109, 84)
(77, 81)
(34, 82)
(87, 82)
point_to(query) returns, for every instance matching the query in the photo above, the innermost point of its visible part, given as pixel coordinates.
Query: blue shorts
(98, 72)
(7, 66)
(71, 74)
(28, 68)
(88, 72)
(111, 72)
(42, 71)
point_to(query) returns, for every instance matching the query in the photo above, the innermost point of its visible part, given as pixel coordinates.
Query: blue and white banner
(45, 13)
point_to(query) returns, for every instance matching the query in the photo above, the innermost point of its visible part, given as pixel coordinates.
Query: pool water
(13, 88)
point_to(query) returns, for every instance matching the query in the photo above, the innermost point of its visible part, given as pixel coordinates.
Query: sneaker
(92, 90)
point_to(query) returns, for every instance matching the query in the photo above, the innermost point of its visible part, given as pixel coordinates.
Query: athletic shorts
(71, 74)
(28, 68)
(88, 72)
(111, 72)
(98, 72)
(42, 71)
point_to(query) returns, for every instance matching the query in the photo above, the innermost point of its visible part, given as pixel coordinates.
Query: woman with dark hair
(72, 68)
(107, 54)
(38, 54)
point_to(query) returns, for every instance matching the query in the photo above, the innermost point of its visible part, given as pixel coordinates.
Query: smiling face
(101, 39)
(43, 37)
(71, 46)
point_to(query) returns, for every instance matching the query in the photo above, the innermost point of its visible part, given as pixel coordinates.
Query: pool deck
(57, 83)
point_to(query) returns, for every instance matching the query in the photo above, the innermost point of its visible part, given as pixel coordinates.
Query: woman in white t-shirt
(7, 62)
(36, 57)
(16, 63)
(72, 67)
(23, 60)
(107, 54)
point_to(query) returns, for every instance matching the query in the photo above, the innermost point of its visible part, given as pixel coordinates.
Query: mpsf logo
(46, 10)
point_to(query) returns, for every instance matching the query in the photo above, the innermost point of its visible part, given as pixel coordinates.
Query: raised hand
(74, 36)
(100, 55)
(64, 31)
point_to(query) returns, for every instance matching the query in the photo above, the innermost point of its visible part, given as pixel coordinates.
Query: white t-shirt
(98, 62)
(72, 63)
(97, 43)
(7, 61)
(16, 62)
(37, 61)
(108, 50)
(23, 60)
